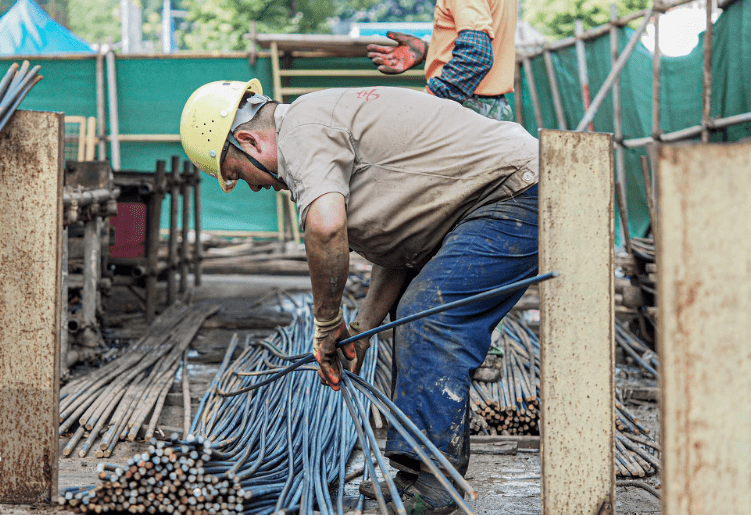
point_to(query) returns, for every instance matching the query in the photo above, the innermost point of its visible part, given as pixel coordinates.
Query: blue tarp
(27, 30)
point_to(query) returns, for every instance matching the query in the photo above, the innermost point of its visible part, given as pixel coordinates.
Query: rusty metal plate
(576, 323)
(704, 334)
(31, 182)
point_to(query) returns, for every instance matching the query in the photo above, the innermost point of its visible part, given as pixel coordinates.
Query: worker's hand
(392, 60)
(361, 347)
(326, 335)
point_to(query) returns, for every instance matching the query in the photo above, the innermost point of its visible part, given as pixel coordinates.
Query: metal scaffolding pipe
(617, 68)
(172, 255)
(91, 256)
(184, 249)
(84, 198)
(198, 246)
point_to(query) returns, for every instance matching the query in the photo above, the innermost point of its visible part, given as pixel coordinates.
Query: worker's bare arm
(385, 285)
(327, 250)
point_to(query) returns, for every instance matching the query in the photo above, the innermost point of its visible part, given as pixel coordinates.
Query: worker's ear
(249, 138)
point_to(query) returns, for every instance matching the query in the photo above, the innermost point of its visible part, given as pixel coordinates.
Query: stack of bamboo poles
(116, 400)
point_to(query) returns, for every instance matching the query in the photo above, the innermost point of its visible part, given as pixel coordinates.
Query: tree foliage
(555, 18)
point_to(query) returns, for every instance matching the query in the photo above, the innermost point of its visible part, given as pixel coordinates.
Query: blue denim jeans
(491, 247)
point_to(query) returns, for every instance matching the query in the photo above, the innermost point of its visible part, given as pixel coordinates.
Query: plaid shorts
(495, 108)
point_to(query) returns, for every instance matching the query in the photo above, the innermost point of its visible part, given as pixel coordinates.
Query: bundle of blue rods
(285, 443)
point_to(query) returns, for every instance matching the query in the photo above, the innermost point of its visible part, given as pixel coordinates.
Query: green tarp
(152, 91)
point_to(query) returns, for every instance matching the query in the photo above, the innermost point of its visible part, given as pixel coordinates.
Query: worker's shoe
(402, 481)
(415, 504)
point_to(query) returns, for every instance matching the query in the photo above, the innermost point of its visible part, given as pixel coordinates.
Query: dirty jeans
(491, 247)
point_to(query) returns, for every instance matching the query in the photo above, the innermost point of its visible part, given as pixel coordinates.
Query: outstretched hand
(327, 334)
(409, 52)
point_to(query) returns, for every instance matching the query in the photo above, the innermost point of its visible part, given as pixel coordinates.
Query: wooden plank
(31, 206)
(704, 284)
(576, 323)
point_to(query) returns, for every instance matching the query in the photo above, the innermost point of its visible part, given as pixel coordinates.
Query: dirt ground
(507, 484)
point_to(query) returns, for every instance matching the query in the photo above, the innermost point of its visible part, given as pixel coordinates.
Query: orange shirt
(497, 18)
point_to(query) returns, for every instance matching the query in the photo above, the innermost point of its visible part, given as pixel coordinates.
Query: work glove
(327, 333)
(392, 60)
(361, 347)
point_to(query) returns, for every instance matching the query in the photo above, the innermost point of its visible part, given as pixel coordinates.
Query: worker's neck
(279, 113)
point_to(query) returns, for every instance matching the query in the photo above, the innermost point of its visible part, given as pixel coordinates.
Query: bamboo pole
(620, 166)
(581, 61)
(649, 194)
(186, 396)
(617, 68)
(656, 82)
(553, 80)
(100, 111)
(706, 116)
(114, 120)
(518, 103)
(533, 92)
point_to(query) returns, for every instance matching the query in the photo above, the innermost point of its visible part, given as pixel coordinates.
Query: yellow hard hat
(206, 121)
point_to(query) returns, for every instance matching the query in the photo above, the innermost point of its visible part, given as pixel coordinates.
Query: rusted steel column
(576, 325)
(173, 254)
(197, 267)
(31, 206)
(184, 248)
(704, 297)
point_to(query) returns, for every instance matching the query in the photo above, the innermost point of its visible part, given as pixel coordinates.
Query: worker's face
(261, 146)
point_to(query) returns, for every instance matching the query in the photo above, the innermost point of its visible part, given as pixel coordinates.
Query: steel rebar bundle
(124, 398)
(278, 448)
(511, 405)
(14, 87)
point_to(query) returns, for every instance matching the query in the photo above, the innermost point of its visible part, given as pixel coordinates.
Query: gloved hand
(361, 347)
(392, 60)
(327, 333)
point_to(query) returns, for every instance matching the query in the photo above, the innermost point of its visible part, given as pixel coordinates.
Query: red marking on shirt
(368, 94)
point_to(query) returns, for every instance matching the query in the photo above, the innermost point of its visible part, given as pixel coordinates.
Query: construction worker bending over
(471, 57)
(411, 182)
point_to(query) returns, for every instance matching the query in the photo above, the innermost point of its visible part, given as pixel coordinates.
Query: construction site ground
(507, 484)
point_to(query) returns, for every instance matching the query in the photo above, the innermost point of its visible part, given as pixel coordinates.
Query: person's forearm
(327, 250)
(385, 285)
(471, 60)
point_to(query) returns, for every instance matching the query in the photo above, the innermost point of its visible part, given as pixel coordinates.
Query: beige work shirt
(409, 165)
